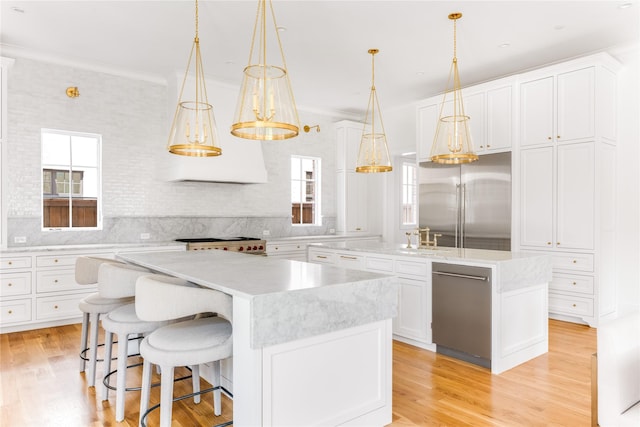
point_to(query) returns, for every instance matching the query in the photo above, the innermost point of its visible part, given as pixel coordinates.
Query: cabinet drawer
(56, 260)
(322, 257)
(59, 280)
(570, 305)
(15, 311)
(58, 307)
(9, 263)
(348, 260)
(573, 261)
(286, 247)
(15, 284)
(412, 268)
(572, 283)
(379, 264)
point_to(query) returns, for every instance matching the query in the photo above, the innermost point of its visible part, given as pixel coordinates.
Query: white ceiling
(325, 42)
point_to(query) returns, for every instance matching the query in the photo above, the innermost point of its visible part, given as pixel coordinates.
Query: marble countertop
(89, 247)
(288, 300)
(322, 237)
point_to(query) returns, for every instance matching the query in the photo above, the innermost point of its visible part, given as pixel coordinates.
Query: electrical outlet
(145, 236)
(20, 239)
(332, 231)
(266, 232)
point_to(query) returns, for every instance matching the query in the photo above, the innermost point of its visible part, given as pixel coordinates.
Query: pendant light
(193, 132)
(452, 144)
(373, 155)
(266, 109)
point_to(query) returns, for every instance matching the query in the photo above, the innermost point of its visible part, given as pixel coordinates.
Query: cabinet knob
(55, 260)
(574, 305)
(55, 306)
(10, 312)
(358, 228)
(10, 263)
(549, 138)
(558, 243)
(549, 243)
(10, 284)
(574, 283)
(55, 281)
(482, 146)
(488, 146)
(575, 261)
(558, 136)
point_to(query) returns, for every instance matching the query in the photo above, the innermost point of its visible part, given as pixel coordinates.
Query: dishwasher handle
(461, 276)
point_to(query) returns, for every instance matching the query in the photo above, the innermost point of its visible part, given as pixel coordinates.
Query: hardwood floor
(41, 386)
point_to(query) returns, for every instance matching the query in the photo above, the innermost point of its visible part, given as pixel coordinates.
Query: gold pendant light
(266, 109)
(193, 132)
(452, 144)
(373, 155)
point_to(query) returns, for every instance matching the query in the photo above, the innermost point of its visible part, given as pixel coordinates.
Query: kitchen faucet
(425, 239)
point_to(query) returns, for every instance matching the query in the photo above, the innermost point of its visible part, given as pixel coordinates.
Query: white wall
(131, 115)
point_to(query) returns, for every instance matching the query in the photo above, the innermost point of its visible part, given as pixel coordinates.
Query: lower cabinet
(413, 323)
(38, 289)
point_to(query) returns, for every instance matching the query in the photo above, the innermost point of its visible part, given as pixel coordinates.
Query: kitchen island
(311, 343)
(517, 300)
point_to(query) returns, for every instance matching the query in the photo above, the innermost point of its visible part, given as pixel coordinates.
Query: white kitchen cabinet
(38, 288)
(296, 251)
(5, 64)
(411, 321)
(360, 196)
(567, 187)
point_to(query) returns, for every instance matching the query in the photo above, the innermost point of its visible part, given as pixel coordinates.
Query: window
(305, 190)
(70, 180)
(409, 194)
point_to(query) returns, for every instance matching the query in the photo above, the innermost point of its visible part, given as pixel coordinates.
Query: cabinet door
(536, 112)
(499, 118)
(576, 108)
(536, 197)
(356, 201)
(474, 108)
(576, 194)
(427, 121)
(348, 141)
(413, 300)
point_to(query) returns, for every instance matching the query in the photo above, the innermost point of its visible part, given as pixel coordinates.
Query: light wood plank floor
(41, 386)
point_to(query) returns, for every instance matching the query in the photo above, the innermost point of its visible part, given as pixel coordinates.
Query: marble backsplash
(161, 229)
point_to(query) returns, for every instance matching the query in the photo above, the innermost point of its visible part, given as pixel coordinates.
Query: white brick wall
(131, 116)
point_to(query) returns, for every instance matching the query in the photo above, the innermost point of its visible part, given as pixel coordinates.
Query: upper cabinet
(491, 117)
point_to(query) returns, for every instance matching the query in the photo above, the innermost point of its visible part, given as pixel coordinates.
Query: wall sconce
(73, 92)
(307, 128)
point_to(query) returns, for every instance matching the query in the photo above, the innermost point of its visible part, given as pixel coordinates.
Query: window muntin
(409, 205)
(70, 180)
(305, 190)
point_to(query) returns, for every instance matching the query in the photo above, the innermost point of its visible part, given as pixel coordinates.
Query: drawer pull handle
(348, 257)
(558, 243)
(358, 228)
(549, 243)
(321, 256)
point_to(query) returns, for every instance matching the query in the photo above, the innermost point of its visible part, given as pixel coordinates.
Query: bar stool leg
(93, 351)
(166, 396)
(121, 377)
(108, 350)
(195, 381)
(217, 394)
(146, 388)
(83, 340)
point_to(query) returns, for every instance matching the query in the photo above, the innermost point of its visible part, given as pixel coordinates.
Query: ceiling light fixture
(193, 131)
(266, 109)
(452, 144)
(373, 155)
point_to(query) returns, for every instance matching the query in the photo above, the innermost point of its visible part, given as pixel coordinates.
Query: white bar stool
(188, 343)
(119, 281)
(92, 307)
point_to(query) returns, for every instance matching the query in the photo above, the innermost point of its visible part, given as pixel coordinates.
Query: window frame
(304, 183)
(403, 185)
(45, 167)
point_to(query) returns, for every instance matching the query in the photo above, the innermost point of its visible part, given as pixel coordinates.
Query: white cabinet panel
(12, 284)
(499, 118)
(576, 111)
(474, 108)
(536, 197)
(15, 311)
(413, 300)
(536, 111)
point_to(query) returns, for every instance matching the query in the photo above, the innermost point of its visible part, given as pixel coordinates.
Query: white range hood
(241, 160)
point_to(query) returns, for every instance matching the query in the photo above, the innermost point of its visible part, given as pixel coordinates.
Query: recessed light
(503, 45)
(229, 62)
(625, 5)
(17, 9)
(419, 73)
(559, 27)
(281, 29)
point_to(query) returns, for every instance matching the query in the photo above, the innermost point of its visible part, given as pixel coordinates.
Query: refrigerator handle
(463, 212)
(458, 208)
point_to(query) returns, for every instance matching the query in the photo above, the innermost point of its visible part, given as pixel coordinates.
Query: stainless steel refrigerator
(470, 205)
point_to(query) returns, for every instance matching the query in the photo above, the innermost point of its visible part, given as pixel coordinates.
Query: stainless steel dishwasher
(461, 322)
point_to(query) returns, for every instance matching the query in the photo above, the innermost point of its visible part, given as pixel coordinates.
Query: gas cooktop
(216, 239)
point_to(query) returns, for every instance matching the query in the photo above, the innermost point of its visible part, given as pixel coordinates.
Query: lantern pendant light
(193, 132)
(373, 155)
(266, 109)
(452, 144)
